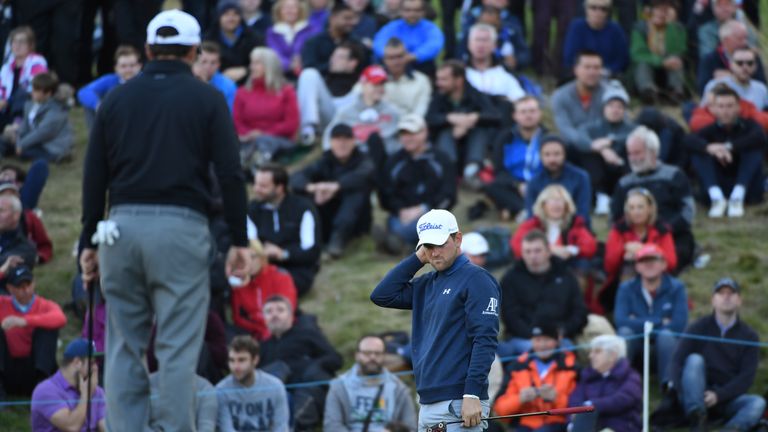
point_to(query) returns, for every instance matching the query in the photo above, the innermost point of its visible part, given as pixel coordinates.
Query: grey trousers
(157, 271)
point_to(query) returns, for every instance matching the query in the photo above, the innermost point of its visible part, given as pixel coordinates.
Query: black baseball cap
(20, 274)
(342, 130)
(545, 329)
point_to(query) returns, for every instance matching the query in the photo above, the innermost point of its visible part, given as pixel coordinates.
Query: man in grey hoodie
(368, 396)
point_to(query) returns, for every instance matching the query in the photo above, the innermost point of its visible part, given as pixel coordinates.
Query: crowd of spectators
(408, 109)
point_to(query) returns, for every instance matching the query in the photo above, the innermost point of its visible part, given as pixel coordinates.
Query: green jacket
(675, 41)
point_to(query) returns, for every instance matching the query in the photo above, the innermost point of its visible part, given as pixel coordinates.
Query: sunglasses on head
(743, 63)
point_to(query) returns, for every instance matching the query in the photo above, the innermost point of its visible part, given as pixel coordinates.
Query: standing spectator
(546, 61)
(127, 66)
(264, 280)
(290, 30)
(406, 88)
(711, 377)
(249, 398)
(265, 111)
(599, 33)
(422, 38)
(727, 156)
(484, 72)
(733, 35)
(557, 170)
(611, 386)
(668, 185)
(206, 69)
(60, 402)
(540, 380)
(740, 79)
(30, 325)
(368, 396)
(236, 40)
(131, 18)
(17, 72)
(657, 51)
(656, 297)
(254, 17)
(340, 185)
(461, 119)
(287, 225)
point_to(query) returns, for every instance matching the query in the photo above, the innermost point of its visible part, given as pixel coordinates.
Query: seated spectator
(332, 61)
(539, 287)
(17, 72)
(611, 386)
(601, 147)
(511, 47)
(742, 66)
(250, 398)
(340, 185)
(656, 297)
(206, 69)
(368, 112)
(368, 396)
(264, 280)
(599, 33)
(59, 402)
(367, 24)
(541, 379)
(557, 170)
(289, 31)
(406, 88)
(483, 71)
(515, 156)
(127, 66)
(418, 178)
(31, 226)
(476, 248)
(461, 119)
(254, 17)
(44, 131)
(671, 135)
(266, 112)
(554, 213)
(206, 405)
(320, 10)
(711, 377)
(708, 32)
(30, 182)
(668, 185)
(14, 245)
(581, 100)
(30, 326)
(235, 39)
(733, 34)
(298, 352)
(286, 224)
(422, 38)
(727, 156)
(657, 51)
(639, 226)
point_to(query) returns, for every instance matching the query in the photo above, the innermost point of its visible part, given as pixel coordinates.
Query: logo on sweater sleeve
(493, 305)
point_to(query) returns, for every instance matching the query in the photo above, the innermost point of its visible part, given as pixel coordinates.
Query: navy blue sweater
(455, 325)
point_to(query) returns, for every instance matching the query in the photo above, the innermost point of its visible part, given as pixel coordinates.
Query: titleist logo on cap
(428, 226)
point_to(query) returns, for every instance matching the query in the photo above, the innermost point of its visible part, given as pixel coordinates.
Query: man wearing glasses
(743, 65)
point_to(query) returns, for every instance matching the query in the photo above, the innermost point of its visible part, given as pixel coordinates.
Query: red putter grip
(571, 410)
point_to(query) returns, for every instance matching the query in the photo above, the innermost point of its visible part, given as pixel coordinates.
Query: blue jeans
(744, 170)
(34, 182)
(664, 343)
(509, 349)
(741, 413)
(407, 232)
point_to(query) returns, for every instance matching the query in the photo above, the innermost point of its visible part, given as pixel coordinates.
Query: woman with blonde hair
(555, 214)
(289, 31)
(265, 111)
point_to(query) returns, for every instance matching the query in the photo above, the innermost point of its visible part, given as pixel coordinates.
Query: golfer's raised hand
(471, 412)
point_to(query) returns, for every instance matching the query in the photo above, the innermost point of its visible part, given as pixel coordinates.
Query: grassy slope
(340, 296)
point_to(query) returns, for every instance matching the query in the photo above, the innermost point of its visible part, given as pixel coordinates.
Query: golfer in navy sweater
(455, 323)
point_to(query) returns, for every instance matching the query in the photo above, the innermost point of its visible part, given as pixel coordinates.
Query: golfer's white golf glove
(106, 233)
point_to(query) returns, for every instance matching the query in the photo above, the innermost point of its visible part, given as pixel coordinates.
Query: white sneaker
(602, 205)
(735, 208)
(718, 209)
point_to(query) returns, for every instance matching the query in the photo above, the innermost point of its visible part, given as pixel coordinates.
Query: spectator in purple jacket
(290, 30)
(611, 386)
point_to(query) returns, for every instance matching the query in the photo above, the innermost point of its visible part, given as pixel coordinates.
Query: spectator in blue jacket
(206, 69)
(127, 66)
(597, 32)
(656, 297)
(422, 38)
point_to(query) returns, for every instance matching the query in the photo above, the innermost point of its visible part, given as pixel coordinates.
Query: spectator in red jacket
(30, 327)
(32, 226)
(266, 112)
(265, 281)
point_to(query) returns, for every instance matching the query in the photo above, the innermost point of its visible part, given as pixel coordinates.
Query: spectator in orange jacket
(540, 380)
(265, 281)
(702, 116)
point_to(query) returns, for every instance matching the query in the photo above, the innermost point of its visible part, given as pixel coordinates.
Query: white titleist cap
(435, 226)
(474, 244)
(185, 24)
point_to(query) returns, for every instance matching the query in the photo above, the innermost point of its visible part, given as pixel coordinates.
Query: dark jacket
(574, 179)
(471, 101)
(744, 135)
(355, 175)
(300, 347)
(428, 179)
(14, 242)
(239, 53)
(552, 297)
(730, 367)
(317, 50)
(616, 397)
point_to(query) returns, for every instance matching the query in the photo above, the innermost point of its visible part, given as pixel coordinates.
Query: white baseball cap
(435, 226)
(185, 24)
(474, 244)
